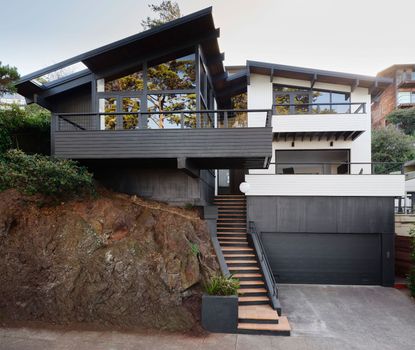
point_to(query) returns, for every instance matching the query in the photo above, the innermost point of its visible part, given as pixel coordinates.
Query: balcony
(406, 80)
(314, 121)
(207, 139)
(405, 99)
(327, 179)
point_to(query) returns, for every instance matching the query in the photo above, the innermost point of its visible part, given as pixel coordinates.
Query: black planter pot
(220, 313)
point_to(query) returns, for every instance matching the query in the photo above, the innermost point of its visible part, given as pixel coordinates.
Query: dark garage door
(324, 258)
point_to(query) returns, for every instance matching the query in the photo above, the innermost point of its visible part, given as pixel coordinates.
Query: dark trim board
(329, 240)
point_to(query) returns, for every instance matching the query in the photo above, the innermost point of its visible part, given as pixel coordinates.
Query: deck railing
(269, 278)
(319, 108)
(184, 119)
(338, 168)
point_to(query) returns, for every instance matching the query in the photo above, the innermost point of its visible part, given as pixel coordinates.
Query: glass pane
(238, 120)
(173, 75)
(289, 88)
(301, 103)
(171, 102)
(131, 82)
(404, 97)
(340, 102)
(282, 104)
(107, 105)
(321, 102)
(130, 104)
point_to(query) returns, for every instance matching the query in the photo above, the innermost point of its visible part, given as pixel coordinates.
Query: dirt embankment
(114, 260)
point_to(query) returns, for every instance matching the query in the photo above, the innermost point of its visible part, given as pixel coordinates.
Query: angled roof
(175, 36)
(390, 71)
(375, 84)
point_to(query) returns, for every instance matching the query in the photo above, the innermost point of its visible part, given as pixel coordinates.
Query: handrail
(361, 109)
(265, 266)
(203, 119)
(388, 166)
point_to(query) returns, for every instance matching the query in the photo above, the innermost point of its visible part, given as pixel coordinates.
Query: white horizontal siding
(326, 185)
(322, 122)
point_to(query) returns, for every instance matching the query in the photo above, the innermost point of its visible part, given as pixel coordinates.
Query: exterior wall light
(244, 187)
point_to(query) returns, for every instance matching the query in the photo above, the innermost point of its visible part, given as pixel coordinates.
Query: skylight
(59, 74)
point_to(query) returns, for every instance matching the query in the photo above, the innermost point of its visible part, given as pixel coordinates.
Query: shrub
(24, 122)
(411, 276)
(222, 285)
(33, 174)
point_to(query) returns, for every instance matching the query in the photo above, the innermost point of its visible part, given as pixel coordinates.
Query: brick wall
(385, 105)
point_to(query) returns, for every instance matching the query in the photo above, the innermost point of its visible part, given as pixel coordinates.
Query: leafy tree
(404, 119)
(391, 145)
(166, 11)
(8, 76)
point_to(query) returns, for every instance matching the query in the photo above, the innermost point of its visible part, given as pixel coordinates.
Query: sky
(356, 36)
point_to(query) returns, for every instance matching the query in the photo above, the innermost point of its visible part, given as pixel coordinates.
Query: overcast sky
(357, 36)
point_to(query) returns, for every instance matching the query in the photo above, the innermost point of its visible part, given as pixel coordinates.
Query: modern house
(399, 94)
(158, 115)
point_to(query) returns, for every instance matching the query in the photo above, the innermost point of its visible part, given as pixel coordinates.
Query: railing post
(225, 119)
(364, 108)
(198, 120)
(182, 120)
(119, 124)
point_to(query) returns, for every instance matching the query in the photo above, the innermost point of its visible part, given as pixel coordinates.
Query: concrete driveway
(323, 317)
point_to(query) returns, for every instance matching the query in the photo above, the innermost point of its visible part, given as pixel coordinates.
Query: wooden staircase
(255, 313)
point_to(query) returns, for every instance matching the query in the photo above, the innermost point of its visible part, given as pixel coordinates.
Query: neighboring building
(302, 145)
(9, 99)
(399, 94)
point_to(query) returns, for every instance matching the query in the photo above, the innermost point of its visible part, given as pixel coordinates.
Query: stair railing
(265, 266)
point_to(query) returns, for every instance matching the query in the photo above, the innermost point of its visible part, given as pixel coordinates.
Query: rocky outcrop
(115, 260)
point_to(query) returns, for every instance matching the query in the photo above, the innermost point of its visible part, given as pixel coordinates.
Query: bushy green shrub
(24, 122)
(222, 285)
(33, 174)
(411, 276)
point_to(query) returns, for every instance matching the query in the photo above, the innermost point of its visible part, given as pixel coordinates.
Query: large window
(161, 87)
(178, 74)
(299, 100)
(405, 97)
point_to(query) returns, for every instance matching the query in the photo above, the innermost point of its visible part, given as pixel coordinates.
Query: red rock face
(116, 260)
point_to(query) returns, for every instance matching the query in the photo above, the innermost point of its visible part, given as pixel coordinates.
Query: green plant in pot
(222, 285)
(220, 304)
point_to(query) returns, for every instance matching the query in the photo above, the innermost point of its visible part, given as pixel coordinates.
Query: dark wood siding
(241, 143)
(338, 240)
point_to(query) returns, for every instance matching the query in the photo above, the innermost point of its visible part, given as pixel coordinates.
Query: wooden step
(234, 237)
(246, 291)
(233, 219)
(258, 300)
(231, 228)
(281, 328)
(252, 283)
(247, 275)
(243, 268)
(229, 256)
(230, 249)
(257, 314)
(233, 243)
(253, 261)
(231, 232)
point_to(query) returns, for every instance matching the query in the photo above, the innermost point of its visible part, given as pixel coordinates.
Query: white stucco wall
(326, 185)
(260, 95)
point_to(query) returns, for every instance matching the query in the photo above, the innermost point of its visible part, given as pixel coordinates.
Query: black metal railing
(183, 119)
(319, 108)
(265, 266)
(405, 204)
(338, 168)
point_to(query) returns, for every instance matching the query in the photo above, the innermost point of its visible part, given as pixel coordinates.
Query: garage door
(324, 258)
